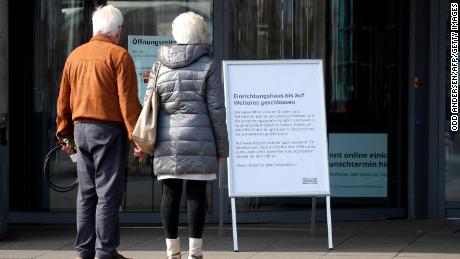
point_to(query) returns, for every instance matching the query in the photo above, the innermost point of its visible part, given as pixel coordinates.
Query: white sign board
(358, 164)
(143, 49)
(277, 126)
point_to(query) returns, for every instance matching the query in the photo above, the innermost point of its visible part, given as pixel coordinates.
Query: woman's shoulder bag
(145, 131)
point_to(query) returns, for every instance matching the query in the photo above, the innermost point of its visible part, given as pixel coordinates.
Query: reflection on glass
(154, 17)
(272, 29)
(66, 24)
(65, 29)
(63, 172)
(342, 60)
(363, 61)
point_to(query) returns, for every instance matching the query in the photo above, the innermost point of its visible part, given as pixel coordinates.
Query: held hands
(138, 153)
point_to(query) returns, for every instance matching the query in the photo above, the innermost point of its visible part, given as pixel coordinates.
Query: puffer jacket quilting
(192, 130)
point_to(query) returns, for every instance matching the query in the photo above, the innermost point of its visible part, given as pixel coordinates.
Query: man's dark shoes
(117, 256)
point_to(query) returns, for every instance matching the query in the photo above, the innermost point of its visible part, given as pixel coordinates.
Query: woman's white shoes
(195, 248)
(173, 248)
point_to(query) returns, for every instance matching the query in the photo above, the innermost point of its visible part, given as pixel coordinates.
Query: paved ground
(352, 239)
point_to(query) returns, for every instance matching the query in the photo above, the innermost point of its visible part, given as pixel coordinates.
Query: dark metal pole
(4, 171)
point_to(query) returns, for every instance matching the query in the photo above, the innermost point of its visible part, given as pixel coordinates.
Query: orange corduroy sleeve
(127, 92)
(64, 112)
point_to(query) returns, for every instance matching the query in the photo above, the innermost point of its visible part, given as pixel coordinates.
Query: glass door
(361, 44)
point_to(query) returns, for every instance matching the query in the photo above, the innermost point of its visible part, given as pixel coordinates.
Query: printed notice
(277, 128)
(268, 124)
(143, 50)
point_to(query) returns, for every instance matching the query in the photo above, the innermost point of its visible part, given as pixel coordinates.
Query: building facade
(386, 77)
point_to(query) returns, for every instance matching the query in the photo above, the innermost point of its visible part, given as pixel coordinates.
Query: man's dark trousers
(101, 175)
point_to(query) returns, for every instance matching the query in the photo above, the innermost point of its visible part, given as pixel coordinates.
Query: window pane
(66, 24)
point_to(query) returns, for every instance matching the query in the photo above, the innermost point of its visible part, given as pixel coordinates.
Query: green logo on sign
(310, 180)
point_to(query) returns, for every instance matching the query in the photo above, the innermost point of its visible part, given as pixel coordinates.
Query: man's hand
(68, 149)
(138, 153)
(221, 159)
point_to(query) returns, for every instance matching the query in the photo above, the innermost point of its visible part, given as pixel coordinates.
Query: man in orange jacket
(97, 106)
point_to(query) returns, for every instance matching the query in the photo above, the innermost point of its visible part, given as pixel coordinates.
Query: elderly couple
(98, 107)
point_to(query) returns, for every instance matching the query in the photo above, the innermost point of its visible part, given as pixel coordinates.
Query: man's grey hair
(107, 20)
(189, 28)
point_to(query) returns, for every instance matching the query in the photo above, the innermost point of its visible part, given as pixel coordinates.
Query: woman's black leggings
(196, 206)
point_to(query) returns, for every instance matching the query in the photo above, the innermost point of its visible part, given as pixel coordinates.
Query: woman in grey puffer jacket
(192, 130)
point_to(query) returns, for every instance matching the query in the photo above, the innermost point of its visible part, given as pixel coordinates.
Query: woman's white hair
(107, 20)
(189, 28)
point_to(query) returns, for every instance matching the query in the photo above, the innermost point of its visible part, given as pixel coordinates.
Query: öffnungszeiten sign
(143, 50)
(454, 67)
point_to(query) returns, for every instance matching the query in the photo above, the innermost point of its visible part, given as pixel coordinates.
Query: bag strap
(156, 69)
